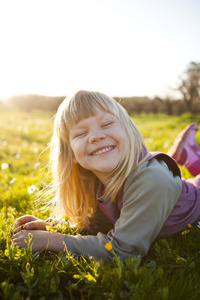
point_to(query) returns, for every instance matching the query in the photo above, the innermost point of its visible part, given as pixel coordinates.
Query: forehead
(83, 106)
(97, 116)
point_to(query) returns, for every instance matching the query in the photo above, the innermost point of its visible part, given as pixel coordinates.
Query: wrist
(55, 242)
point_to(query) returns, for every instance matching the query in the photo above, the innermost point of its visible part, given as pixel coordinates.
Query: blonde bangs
(82, 105)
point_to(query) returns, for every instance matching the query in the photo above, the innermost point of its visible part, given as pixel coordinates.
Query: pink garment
(186, 210)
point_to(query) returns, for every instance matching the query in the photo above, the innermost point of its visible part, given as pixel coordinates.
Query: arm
(41, 240)
(53, 241)
(149, 196)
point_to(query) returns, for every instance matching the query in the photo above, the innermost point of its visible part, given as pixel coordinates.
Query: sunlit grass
(171, 270)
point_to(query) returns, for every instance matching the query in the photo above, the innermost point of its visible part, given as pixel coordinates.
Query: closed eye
(107, 123)
(80, 134)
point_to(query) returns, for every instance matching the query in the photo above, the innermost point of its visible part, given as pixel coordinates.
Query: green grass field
(171, 270)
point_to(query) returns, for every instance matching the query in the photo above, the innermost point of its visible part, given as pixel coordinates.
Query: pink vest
(184, 212)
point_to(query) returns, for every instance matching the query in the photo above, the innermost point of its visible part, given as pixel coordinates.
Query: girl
(110, 185)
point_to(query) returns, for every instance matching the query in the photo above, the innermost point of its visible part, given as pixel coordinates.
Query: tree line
(188, 87)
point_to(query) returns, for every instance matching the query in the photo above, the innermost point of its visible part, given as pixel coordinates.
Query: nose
(96, 135)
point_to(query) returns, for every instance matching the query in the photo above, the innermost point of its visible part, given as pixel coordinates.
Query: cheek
(125, 145)
(77, 152)
(123, 140)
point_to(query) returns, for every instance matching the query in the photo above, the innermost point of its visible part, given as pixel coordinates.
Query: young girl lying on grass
(110, 185)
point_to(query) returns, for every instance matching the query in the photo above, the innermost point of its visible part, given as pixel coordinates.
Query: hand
(41, 240)
(30, 222)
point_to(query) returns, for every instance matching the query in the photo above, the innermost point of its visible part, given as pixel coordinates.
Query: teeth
(102, 151)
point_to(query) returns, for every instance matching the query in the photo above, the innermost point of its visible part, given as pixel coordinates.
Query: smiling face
(99, 143)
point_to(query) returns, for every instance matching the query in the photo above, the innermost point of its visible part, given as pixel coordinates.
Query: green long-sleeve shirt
(149, 196)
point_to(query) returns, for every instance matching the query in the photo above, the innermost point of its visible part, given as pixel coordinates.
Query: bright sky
(119, 47)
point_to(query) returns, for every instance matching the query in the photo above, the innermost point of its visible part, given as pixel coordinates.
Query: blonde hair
(76, 187)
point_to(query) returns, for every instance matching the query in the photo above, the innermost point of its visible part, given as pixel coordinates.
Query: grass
(171, 270)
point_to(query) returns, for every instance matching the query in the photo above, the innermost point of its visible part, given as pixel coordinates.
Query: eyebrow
(101, 118)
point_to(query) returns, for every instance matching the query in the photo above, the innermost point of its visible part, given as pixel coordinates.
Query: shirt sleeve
(150, 194)
(98, 222)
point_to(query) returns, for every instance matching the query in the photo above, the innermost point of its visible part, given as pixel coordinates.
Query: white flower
(36, 165)
(4, 166)
(4, 143)
(35, 150)
(32, 189)
(12, 181)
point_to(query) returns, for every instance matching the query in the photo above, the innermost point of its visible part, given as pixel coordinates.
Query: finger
(22, 234)
(19, 228)
(36, 225)
(14, 236)
(21, 243)
(19, 224)
(23, 220)
(21, 238)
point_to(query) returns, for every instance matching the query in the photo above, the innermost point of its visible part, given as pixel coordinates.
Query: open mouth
(103, 150)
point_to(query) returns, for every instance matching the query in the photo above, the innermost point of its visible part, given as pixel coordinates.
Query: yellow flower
(189, 226)
(184, 232)
(48, 228)
(108, 246)
(180, 260)
(66, 217)
(27, 265)
(8, 240)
